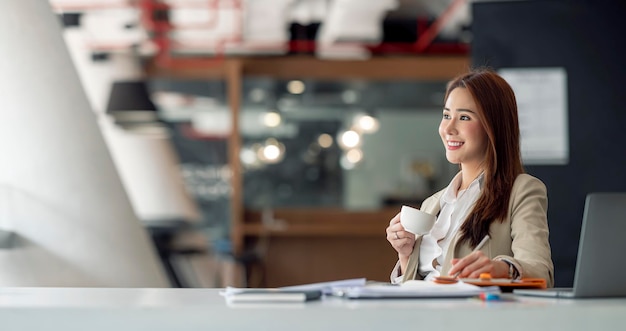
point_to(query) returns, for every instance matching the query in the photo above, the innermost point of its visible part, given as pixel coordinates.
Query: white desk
(116, 309)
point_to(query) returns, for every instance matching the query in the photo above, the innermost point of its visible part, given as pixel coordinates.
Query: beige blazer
(522, 238)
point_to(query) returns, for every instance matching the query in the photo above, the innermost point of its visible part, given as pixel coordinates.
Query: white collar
(451, 193)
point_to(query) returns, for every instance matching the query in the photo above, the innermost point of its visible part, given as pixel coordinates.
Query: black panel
(584, 37)
(130, 96)
(70, 19)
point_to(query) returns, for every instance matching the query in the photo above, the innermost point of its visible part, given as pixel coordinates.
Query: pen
(476, 249)
(481, 243)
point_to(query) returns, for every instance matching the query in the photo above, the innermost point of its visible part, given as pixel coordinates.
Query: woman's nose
(449, 126)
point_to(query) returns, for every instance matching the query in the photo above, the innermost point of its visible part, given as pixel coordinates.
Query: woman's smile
(454, 145)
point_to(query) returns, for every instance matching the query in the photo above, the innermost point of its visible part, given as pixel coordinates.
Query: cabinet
(318, 244)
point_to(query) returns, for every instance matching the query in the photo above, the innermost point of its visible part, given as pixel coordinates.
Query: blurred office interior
(267, 143)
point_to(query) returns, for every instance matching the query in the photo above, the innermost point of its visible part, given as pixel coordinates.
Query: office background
(250, 217)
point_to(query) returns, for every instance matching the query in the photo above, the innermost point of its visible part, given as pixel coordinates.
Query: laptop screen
(599, 266)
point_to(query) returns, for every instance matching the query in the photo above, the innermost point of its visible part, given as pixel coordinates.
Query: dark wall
(586, 38)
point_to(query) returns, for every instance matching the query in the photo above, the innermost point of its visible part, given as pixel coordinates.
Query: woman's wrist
(501, 269)
(511, 270)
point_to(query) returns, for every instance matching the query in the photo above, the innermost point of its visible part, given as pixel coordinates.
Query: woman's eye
(446, 116)
(464, 118)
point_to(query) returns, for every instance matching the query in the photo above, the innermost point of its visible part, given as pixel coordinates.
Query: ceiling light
(272, 151)
(248, 156)
(349, 139)
(295, 87)
(367, 123)
(325, 140)
(272, 119)
(354, 155)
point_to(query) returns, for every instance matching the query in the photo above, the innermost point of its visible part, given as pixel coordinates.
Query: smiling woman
(491, 195)
(463, 134)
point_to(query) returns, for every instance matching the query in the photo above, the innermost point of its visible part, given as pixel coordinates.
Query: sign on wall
(541, 95)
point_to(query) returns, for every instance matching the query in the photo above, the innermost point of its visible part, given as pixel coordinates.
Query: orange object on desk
(485, 276)
(507, 283)
(504, 283)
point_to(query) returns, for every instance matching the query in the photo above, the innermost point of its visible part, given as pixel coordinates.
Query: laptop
(600, 268)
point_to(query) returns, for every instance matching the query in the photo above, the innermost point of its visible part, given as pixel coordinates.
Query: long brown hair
(498, 114)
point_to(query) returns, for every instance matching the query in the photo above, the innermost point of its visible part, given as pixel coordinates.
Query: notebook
(600, 269)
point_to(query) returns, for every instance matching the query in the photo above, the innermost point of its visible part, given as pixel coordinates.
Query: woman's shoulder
(432, 201)
(527, 185)
(527, 180)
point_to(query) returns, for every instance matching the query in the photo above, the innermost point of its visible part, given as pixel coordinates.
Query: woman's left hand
(477, 263)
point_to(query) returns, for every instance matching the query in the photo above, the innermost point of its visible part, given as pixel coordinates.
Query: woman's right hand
(401, 240)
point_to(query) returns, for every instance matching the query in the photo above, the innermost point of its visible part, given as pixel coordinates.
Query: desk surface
(117, 309)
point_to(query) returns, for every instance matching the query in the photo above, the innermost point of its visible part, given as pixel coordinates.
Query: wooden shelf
(314, 230)
(315, 222)
(291, 67)
(415, 68)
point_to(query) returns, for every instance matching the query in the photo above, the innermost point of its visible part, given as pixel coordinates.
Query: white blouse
(455, 206)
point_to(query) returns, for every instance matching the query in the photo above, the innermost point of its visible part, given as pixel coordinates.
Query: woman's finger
(403, 246)
(395, 219)
(461, 266)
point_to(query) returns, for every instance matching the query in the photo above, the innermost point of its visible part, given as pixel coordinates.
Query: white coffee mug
(416, 221)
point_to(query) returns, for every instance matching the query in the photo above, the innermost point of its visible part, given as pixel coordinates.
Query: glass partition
(346, 144)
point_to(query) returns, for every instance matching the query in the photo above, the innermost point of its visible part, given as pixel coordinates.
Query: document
(414, 289)
(356, 289)
(327, 287)
(297, 293)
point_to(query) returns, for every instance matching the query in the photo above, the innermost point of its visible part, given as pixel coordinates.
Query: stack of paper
(298, 293)
(414, 289)
(357, 289)
(328, 287)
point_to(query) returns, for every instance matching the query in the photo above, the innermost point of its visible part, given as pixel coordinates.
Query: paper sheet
(416, 289)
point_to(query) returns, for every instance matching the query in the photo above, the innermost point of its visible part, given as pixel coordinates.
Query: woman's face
(461, 131)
